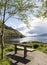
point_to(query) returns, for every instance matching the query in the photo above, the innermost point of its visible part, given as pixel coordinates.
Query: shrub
(9, 50)
(42, 45)
(35, 46)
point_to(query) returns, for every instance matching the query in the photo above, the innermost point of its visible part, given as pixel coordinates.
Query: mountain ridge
(10, 32)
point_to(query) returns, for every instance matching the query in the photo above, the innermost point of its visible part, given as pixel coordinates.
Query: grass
(8, 48)
(6, 61)
(43, 48)
(39, 46)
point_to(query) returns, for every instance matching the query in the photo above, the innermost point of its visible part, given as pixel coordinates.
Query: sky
(37, 26)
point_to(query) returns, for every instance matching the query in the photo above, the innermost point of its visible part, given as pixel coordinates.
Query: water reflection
(30, 39)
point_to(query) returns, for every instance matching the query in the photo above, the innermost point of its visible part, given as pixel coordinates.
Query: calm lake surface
(33, 38)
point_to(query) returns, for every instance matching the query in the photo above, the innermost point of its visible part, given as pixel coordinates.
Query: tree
(42, 11)
(2, 36)
(19, 8)
(44, 8)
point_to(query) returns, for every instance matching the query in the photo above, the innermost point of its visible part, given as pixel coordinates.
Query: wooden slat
(23, 45)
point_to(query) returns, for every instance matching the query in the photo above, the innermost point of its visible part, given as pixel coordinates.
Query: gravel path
(33, 58)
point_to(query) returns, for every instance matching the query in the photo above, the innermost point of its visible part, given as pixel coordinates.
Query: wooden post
(15, 49)
(25, 52)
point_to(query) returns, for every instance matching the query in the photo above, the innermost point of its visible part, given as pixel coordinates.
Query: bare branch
(10, 16)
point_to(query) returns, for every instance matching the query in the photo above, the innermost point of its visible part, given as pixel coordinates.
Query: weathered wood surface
(25, 48)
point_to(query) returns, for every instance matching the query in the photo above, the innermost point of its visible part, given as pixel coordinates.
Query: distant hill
(9, 32)
(44, 34)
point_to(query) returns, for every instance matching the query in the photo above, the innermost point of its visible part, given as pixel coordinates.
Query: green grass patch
(5, 61)
(9, 47)
(45, 50)
(39, 46)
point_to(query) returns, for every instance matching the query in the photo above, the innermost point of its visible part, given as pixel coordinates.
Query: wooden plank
(27, 48)
(23, 45)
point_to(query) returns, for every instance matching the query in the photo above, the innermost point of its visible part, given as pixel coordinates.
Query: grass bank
(39, 46)
(8, 48)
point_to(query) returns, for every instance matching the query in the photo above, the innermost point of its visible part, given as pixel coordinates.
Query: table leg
(15, 49)
(25, 52)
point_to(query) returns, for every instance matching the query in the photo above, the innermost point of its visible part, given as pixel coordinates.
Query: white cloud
(36, 26)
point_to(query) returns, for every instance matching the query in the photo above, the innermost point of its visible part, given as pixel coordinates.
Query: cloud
(37, 26)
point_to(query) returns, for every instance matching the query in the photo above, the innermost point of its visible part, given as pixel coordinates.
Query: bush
(41, 45)
(35, 46)
(9, 50)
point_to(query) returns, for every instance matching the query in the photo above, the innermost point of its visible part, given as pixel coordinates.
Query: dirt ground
(33, 58)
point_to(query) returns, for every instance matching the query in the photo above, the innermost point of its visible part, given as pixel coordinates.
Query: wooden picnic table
(23, 44)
